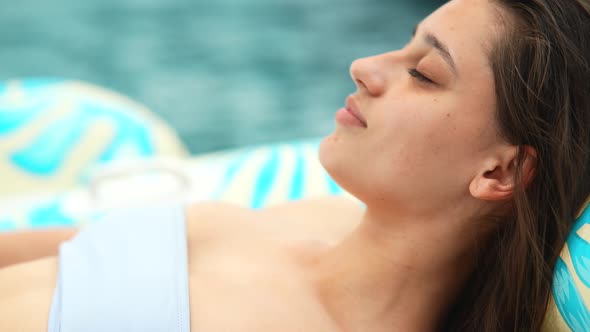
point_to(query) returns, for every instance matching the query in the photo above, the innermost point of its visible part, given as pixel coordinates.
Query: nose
(368, 76)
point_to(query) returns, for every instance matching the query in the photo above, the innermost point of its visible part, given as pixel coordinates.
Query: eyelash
(416, 74)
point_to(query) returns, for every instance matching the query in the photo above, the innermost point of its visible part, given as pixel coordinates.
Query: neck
(392, 273)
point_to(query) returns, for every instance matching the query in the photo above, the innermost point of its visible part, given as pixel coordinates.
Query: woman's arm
(18, 247)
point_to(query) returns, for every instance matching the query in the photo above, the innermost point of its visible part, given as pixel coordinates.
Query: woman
(469, 148)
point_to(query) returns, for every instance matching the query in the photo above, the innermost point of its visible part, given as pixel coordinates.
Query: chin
(327, 152)
(347, 166)
(335, 159)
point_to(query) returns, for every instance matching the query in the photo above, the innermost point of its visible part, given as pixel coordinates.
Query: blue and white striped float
(52, 130)
(72, 151)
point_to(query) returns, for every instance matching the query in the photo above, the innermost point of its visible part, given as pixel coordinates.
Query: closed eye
(416, 74)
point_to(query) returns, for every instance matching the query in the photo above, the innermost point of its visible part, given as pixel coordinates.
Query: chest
(246, 287)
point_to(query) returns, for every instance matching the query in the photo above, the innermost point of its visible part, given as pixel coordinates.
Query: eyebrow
(440, 47)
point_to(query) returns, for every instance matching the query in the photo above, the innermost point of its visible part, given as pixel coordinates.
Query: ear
(495, 181)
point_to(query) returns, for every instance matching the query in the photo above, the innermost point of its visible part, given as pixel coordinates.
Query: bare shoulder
(325, 206)
(209, 220)
(327, 218)
(26, 290)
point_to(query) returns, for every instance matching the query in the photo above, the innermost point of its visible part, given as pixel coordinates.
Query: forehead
(468, 28)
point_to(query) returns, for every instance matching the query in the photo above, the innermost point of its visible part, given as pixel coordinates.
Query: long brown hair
(541, 66)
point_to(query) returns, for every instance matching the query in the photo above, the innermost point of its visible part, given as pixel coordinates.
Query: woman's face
(429, 110)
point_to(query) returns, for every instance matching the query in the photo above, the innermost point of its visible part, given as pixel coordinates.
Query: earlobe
(492, 186)
(497, 181)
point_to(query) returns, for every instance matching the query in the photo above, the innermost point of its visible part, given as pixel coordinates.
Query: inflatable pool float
(52, 130)
(72, 152)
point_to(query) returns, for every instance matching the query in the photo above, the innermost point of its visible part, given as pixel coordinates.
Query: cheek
(427, 139)
(413, 133)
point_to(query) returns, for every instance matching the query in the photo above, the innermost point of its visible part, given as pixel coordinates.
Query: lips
(352, 107)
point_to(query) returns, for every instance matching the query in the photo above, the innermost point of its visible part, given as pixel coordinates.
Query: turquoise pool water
(224, 73)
